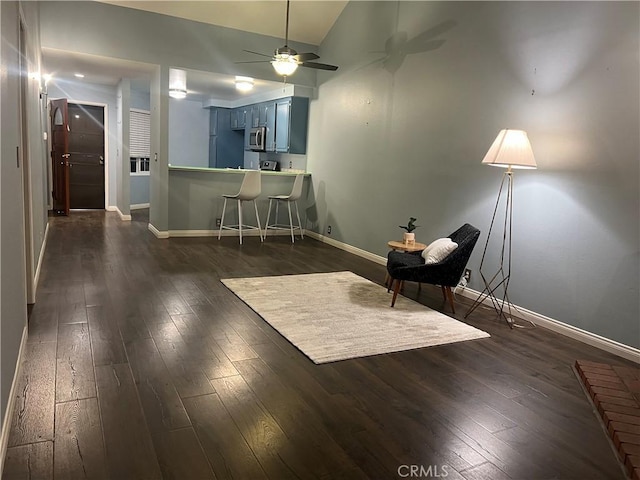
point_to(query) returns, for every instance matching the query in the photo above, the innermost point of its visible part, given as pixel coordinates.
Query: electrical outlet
(218, 220)
(467, 275)
(329, 229)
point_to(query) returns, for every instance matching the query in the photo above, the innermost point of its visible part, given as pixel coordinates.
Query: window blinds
(140, 133)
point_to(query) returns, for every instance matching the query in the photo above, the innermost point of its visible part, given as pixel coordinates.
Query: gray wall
(188, 133)
(37, 124)
(393, 136)
(122, 168)
(12, 255)
(139, 185)
(82, 92)
(13, 178)
(140, 99)
(159, 137)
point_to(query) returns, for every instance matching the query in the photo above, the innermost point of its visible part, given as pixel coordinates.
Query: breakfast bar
(195, 196)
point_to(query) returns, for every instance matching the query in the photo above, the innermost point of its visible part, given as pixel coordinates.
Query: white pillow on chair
(438, 250)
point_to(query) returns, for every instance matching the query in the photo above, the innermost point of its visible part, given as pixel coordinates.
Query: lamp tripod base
(502, 306)
(499, 283)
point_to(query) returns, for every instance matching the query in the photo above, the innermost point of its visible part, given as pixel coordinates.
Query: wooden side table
(404, 247)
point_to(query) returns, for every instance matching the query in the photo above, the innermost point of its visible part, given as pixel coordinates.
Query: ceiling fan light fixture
(244, 84)
(284, 64)
(177, 83)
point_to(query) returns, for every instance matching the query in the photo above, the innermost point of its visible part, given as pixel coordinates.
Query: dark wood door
(60, 155)
(86, 164)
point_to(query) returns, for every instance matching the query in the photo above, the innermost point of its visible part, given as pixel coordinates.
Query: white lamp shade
(177, 83)
(284, 64)
(511, 148)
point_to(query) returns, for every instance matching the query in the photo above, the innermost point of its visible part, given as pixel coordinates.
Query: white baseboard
(36, 278)
(123, 217)
(570, 331)
(138, 206)
(225, 233)
(348, 248)
(157, 232)
(13, 394)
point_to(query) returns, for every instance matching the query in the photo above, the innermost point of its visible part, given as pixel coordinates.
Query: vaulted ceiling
(309, 20)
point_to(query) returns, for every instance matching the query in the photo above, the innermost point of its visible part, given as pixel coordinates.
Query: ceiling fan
(286, 60)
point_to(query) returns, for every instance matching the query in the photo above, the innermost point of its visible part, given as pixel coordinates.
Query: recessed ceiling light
(78, 75)
(77, 116)
(177, 83)
(244, 84)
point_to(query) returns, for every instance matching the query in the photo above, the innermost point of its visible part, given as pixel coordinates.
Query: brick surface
(630, 449)
(611, 393)
(632, 463)
(609, 383)
(610, 407)
(607, 378)
(624, 427)
(620, 417)
(615, 391)
(627, 372)
(632, 385)
(588, 363)
(621, 437)
(599, 371)
(625, 402)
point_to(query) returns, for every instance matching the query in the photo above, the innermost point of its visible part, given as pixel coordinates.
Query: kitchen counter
(286, 172)
(195, 197)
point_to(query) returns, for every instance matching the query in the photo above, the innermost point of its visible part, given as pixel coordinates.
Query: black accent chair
(447, 273)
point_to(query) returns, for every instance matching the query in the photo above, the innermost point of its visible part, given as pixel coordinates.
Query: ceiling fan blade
(319, 66)
(255, 61)
(413, 47)
(304, 57)
(257, 53)
(432, 32)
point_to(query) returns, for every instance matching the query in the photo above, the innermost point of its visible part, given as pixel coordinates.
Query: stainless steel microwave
(257, 137)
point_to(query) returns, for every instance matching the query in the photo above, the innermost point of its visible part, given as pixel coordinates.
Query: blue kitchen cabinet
(225, 144)
(270, 123)
(263, 109)
(292, 116)
(255, 115)
(238, 118)
(258, 113)
(213, 122)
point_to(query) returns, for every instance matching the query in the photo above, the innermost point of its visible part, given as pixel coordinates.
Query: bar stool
(295, 194)
(249, 191)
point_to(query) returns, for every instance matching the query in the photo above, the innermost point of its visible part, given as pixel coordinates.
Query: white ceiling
(309, 22)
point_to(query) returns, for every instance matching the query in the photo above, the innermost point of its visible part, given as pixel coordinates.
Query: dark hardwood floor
(141, 364)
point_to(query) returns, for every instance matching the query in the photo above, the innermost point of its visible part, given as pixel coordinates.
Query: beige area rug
(336, 316)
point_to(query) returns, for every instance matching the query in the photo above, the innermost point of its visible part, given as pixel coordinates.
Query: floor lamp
(511, 149)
